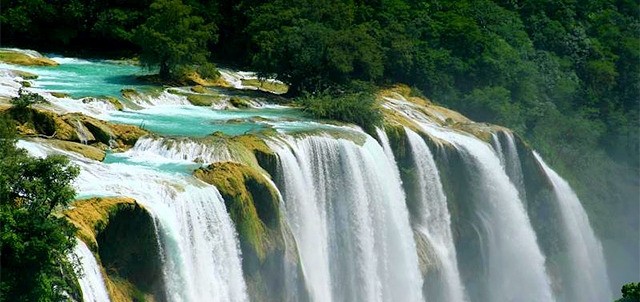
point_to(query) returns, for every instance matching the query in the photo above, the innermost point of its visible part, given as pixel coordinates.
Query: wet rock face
(128, 249)
(253, 205)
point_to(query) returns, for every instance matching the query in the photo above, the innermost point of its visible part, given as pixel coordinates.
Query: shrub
(357, 108)
(26, 99)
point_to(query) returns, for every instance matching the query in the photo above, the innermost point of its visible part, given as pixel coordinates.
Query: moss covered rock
(20, 58)
(253, 204)
(122, 235)
(198, 89)
(268, 86)
(59, 94)
(115, 102)
(25, 75)
(251, 201)
(203, 100)
(82, 149)
(239, 102)
(75, 127)
(194, 78)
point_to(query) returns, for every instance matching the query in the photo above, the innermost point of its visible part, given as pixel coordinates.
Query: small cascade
(165, 98)
(584, 267)
(497, 146)
(82, 132)
(91, 281)
(434, 221)
(179, 149)
(349, 220)
(199, 246)
(504, 144)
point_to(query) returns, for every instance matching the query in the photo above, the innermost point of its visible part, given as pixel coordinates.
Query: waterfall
(82, 132)
(349, 220)
(585, 266)
(201, 257)
(91, 281)
(515, 265)
(505, 145)
(434, 221)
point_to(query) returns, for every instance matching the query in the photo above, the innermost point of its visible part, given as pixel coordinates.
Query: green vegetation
(175, 40)
(34, 241)
(630, 292)
(26, 99)
(357, 108)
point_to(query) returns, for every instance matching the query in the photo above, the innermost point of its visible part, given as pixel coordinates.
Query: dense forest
(564, 74)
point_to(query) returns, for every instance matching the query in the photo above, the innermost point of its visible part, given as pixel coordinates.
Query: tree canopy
(172, 38)
(34, 242)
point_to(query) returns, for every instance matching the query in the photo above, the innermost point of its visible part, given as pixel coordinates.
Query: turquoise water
(96, 78)
(201, 121)
(83, 78)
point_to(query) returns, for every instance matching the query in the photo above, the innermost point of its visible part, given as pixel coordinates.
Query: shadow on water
(129, 79)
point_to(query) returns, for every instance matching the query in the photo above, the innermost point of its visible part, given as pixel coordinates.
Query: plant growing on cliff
(173, 39)
(34, 242)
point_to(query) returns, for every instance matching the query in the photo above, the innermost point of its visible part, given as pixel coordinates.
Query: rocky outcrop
(75, 128)
(122, 235)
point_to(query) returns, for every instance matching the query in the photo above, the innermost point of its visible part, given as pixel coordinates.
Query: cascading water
(165, 98)
(585, 267)
(514, 268)
(91, 281)
(348, 219)
(179, 149)
(199, 245)
(515, 264)
(82, 132)
(505, 145)
(343, 204)
(433, 221)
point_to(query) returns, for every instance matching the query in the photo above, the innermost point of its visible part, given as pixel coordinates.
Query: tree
(630, 292)
(34, 242)
(173, 39)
